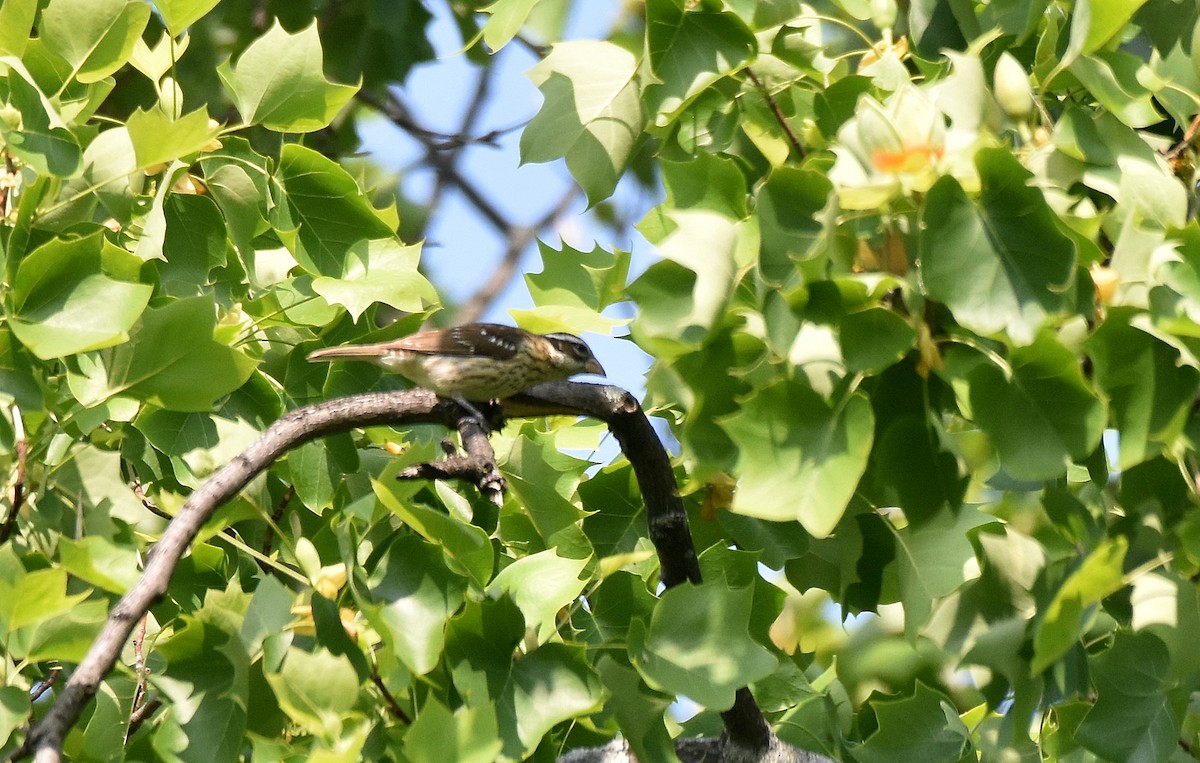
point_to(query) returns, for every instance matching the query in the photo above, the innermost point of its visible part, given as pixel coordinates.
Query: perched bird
(475, 361)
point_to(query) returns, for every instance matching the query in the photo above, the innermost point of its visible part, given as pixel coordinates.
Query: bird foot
(492, 421)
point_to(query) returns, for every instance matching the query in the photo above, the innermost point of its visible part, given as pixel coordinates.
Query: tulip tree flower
(896, 147)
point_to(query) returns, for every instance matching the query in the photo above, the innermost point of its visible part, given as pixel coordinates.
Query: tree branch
(668, 528)
(780, 117)
(518, 239)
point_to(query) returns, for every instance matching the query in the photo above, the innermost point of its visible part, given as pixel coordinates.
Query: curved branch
(667, 520)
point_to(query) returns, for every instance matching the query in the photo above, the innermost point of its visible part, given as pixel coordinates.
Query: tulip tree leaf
(1098, 576)
(1000, 263)
(1136, 715)
(413, 595)
(1149, 389)
(277, 82)
(690, 50)
(66, 299)
(931, 556)
(380, 271)
(1041, 415)
(96, 37)
(322, 207)
(171, 360)
(800, 458)
(918, 729)
(697, 644)
(592, 114)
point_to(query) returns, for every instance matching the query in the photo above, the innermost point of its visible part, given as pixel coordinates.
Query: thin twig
(21, 449)
(276, 517)
(390, 699)
(1188, 135)
(44, 686)
(518, 240)
(778, 112)
(139, 716)
(140, 491)
(139, 668)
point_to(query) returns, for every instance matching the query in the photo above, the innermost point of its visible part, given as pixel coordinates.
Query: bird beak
(593, 367)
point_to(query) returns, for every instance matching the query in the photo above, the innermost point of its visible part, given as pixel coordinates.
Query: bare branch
(477, 467)
(518, 240)
(667, 520)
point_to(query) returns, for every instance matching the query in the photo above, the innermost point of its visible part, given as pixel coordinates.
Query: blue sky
(462, 248)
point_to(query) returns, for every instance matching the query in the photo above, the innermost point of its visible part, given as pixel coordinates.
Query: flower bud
(1012, 88)
(883, 13)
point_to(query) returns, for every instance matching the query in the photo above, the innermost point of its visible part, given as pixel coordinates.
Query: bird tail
(346, 351)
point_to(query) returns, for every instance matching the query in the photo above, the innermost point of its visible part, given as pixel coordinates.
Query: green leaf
(96, 37)
(690, 50)
(545, 480)
(923, 728)
(532, 693)
(323, 206)
(1001, 265)
(592, 113)
(578, 283)
(541, 584)
(278, 83)
(1064, 620)
(65, 301)
(1095, 22)
(931, 558)
(789, 207)
(383, 271)
(1041, 414)
(66, 637)
(507, 18)
(1148, 385)
(171, 360)
(640, 711)
(37, 596)
(1114, 79)
(100, 562)
(178, 15)
(313, 474)
(158, 139)
(697, 644)
(468, 735)
(800, 458)
(14, 705)
(874, 339)
(703, 226)
(316, 690)
(41, 137)
(1136, 715)
(206, 673)
(412, 597)
(194, 245)
(551, 684)
(466, 544)
(16, 22)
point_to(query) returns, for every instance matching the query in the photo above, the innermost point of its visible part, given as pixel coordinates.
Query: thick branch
(745, 727)
(744, 722)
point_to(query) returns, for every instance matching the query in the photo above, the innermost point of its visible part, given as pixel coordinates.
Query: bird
(475, 361)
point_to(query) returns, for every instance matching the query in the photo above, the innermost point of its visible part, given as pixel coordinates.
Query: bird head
(572, 355)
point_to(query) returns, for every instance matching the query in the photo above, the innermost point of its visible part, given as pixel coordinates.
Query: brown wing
(487, 339)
